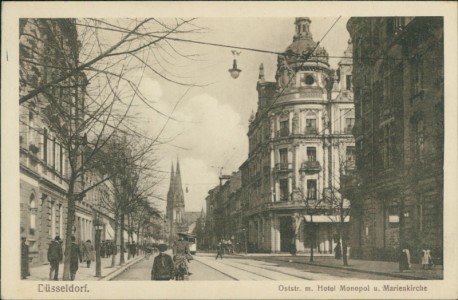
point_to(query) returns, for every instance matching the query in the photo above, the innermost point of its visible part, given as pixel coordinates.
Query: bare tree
(83, 83)
(313, 206)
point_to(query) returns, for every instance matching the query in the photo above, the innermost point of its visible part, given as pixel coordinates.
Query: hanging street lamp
(235, 72)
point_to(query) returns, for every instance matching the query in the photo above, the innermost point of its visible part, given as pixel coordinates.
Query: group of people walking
(425, 258)
(167, 268)
(79, 253)
(107, 249)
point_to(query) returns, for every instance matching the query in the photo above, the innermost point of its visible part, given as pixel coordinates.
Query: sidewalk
(365, 266)
(84, 273)
(354, 265)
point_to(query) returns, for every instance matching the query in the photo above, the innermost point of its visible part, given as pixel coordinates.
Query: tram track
(234, 265)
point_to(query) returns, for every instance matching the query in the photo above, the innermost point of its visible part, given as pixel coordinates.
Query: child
(163, 268)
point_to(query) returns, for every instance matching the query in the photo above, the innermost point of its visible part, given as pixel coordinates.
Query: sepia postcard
(232, 150)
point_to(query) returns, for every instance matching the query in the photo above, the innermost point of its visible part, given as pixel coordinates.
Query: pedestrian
(163, 267)
(54, 257)
(426, 260)
(24, 258)
(103, 249)
(88, 253)
(219, 251)
(108, 248)
(133, 249)
(75, 255)
(337, 251)
(404, 258)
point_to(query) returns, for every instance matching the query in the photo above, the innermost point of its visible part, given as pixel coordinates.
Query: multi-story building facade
(299, 141)
(223, 211)
(399, 97)
(48, 46)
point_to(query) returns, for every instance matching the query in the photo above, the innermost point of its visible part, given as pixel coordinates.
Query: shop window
(393, 216)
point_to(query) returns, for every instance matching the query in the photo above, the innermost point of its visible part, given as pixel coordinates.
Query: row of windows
(53, 153)
(311, 193)
(311, 154)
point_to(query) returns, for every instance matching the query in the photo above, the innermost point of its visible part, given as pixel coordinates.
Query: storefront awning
(109, 232)
(325, 219)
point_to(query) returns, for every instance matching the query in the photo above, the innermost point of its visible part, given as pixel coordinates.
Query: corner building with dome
(300, 144)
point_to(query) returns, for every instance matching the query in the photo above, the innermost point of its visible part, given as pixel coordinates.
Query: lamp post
(98, 229)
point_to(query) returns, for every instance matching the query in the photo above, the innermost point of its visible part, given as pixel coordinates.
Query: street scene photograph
(292, 154)
(284, 149)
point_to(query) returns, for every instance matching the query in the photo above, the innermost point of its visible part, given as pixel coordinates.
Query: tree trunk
(138, 237)
(129, 236)
(69, 231)
(121, 258)
(344, 250)
(343, 235)
(312, 237)
(113, 258)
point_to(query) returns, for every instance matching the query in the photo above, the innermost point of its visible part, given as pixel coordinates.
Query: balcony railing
(283, 166)
(311, 166)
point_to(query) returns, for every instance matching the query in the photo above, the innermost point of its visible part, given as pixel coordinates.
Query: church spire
(172, 175)
(177, 181)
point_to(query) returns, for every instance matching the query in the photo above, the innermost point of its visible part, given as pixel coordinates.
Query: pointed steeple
(172, 175)
(178, 184)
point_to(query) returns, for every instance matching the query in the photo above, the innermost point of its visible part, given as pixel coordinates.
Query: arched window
(33, 214)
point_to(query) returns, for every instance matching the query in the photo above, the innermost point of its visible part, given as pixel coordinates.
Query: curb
(121, 269)
(403, 276)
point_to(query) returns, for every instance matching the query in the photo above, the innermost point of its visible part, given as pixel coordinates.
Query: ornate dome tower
(304, 63)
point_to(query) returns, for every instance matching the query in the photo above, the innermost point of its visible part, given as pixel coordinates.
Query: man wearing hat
(163, 268)
(24, 258)
(54, 257)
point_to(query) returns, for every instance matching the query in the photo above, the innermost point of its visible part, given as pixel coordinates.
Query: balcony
(310, 167)
(286, 205)
(283, 167)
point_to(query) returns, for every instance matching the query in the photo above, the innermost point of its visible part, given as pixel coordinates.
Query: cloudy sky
(210, 122)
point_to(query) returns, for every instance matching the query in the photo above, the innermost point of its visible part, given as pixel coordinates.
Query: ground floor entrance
(281, 232)
(286, 234)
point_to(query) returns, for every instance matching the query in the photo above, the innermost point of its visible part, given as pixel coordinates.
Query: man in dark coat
(163, 268)
(133, 249)
(54, 257)
(74, 258)
(24, 259)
